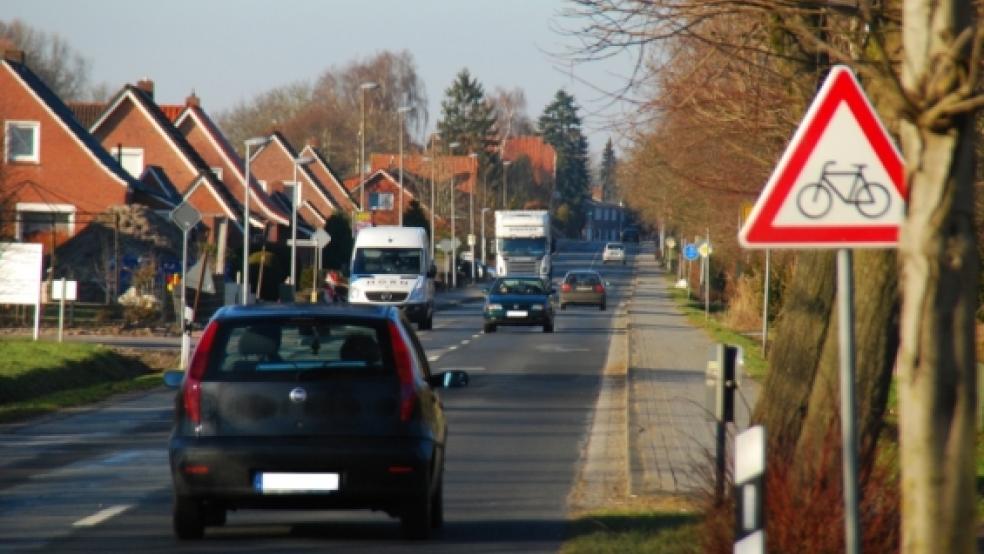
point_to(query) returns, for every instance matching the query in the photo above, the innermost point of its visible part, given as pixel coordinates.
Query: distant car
(614, 252)
(518, 301)
(583, 287)
(308, 406)
(630, 235)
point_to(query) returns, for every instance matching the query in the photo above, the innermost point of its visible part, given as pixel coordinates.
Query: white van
(391, 265)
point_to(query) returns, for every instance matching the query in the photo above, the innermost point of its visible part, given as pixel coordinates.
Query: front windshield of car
(524, 246)
(394, 261)
(518, 286)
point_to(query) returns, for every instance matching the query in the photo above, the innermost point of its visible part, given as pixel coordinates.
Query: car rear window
(278, 349)
(582, 279)
(615, 247)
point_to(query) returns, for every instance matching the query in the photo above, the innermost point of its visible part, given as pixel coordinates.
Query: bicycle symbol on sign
(871, 199)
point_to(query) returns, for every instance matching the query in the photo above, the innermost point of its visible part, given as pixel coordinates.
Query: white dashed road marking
(102, 515)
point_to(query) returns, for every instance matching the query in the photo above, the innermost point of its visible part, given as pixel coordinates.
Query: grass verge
(755, 365)
(626, 531)
(42, 377)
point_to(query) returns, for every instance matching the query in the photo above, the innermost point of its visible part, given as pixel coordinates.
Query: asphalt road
(96, 480)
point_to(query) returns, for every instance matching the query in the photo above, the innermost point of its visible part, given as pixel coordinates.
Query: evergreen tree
(338, 253)
(561, 128)
(467, 117)
(609, 189)
(416, 217)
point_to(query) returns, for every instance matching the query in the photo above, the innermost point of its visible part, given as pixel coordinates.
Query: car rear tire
(489, 328)
(188, 519)
(426, 324)
(602, 306)
(437, 507)
(417, 518)
(548, 328)
(563, 306)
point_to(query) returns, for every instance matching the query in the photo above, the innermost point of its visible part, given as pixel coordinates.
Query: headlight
(354, 293)
(417, 294)
(493, 307)
(537, 307)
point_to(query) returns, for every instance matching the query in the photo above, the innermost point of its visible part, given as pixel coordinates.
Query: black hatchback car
(519, 301)
(307, 406)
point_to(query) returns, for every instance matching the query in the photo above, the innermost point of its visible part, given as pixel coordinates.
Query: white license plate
(517, 313)
(274, 483)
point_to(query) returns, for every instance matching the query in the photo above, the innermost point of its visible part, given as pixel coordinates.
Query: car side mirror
(431, 271)
(173, 378)
(451, 379)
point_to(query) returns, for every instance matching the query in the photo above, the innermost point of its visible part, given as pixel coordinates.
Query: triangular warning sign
(839, 184)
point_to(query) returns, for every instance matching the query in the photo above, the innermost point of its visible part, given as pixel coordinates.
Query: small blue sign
(690, 252)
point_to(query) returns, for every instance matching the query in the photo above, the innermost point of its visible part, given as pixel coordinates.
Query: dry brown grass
(744, 311)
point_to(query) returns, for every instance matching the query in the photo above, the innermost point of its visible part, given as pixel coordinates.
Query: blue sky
(229, 51)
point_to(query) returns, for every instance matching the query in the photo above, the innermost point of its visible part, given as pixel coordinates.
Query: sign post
(839, 184)
(186, 217)
(62, 290)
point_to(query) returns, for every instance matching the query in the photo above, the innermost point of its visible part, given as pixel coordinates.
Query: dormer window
(23, 141)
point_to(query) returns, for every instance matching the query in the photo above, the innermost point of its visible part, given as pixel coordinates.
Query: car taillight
(566, 287)
(404, 369)
(599, 288)
(192, 390)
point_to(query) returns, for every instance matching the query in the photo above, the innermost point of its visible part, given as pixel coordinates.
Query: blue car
(519, 301)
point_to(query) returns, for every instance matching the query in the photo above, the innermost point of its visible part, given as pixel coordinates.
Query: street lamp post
(433, 160)
(250, 143)
(483, 235)
(294, 201)
(367, 86)
(400, 111)
(454, 249)
(505, 183)
(471, 213)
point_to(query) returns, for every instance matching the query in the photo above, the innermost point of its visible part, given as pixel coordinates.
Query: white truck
(523, 245)
(391, 266)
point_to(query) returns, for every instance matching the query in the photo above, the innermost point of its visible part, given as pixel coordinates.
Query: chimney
(193, 101)
(14, 55)
(147, 86)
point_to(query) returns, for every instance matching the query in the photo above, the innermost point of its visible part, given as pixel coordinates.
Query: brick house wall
(68, 176)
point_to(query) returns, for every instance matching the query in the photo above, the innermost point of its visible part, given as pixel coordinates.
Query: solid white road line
(434, 358)
(102, 515)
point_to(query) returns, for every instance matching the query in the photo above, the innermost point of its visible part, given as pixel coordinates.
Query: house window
(36, 218)
(132, 160)
(381, 201)
(23, 139)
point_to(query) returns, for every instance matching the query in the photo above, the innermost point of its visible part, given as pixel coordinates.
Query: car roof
(277, 310)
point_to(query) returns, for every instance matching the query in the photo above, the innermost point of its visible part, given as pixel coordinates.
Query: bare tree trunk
(937, 363)
(876, 309)
(799, 338)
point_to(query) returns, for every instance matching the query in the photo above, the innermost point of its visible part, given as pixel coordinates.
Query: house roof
(304, 170)
(87, 112)
(464, 168)
(341, 193)
(266, 204)
(63, 114)
(191, 157)
(542, 156)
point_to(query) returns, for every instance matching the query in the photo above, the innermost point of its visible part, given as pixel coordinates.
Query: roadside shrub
(745, 306)
(804, 514)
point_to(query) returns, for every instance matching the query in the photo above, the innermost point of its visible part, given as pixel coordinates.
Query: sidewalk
(671, 432)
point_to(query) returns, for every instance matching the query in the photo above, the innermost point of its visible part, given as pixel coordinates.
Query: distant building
(604, 220)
